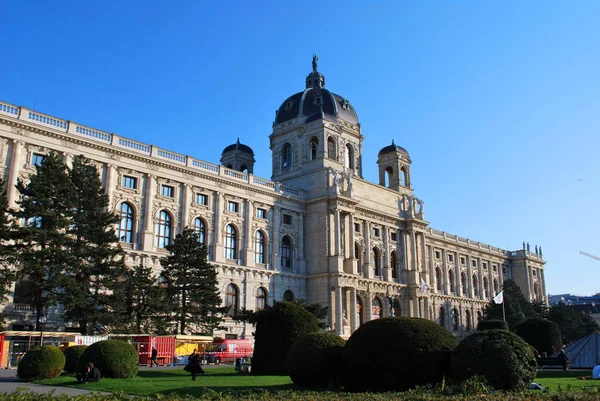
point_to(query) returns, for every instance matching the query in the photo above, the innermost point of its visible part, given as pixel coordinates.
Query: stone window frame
(131, 173)
(169, 183)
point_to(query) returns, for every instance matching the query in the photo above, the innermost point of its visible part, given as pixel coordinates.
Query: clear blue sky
(497, 102)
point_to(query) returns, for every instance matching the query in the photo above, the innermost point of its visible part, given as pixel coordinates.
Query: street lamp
(42, 323)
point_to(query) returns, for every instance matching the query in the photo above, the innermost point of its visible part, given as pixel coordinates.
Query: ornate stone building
(317, 230)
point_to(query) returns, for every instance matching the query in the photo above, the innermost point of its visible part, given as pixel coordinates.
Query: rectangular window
(503, 269)
(450, 257)
(37, 159)
(129, 182)
(495, 267)
(462, 260)
(261, 213)
(375, 232)
(168, 191)
(484, 265)
(437, 254)
(394, 236)
(233, 206)
(356, 227)
(534, 273)
(474, 263)
(287, 219)
(201, 199)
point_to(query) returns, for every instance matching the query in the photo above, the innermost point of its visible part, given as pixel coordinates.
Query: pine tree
(516, 307)
(99, 266)
(192, 285)
(145, 307)
(41, 241)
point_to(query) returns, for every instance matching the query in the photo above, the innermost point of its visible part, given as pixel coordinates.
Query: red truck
(227, 350)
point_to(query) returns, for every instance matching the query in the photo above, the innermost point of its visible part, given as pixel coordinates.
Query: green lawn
(178, 382)
(553, 379)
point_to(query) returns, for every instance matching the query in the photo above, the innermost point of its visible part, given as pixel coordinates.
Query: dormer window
(345, 104)
(286, 156)
(318, 100)
(288, 105)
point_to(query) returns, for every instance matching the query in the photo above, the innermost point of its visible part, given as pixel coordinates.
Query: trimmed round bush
(396, 354)
(114, 358)
(72, 356)
(314, 360)
(502, 357)
(492, 324)
(277, 329)
(541, 334)
(45, 362)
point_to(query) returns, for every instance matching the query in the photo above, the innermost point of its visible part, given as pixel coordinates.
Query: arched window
(261, 298)
(231, 300)
(331, 148)
(244, 168)
(451, 281)
(397, 308)
(455, 319)
(259, 247)
(403, 177)
(394, 264)
(468, 319)
(200, 230)
(536, 291)
(286, 252)
(388, 174)
(485, 287)
(463, 283)
(163, 229)
(376, 261)
(360, 310)
(124, 227)
(314, 147)
(495, 286)
(475, 285)
(286, 156)
(288, 295)
(230, 242)
(442, 317)
(349, 162)
(358, 257)
(438, 279)
(479, 316)
(376, 308)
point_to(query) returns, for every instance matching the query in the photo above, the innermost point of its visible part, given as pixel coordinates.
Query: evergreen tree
(145, 307)
(192, 285)
(516, 307)
(99, 265)
(572, 323)
(41, 242)
(7, 272)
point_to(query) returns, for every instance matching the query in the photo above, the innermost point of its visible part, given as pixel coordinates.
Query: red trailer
(164, 345)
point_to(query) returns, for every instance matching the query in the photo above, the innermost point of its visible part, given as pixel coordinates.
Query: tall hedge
(541, 334)
(73, 356)
(492, 324)
(314, 360)
(277, 329)
(46, 362)
(502, 357)
(396, 354)
(114, 358)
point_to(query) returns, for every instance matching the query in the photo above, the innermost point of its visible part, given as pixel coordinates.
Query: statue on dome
(314, 62)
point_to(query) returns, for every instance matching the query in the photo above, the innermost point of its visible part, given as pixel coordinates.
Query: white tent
(585, 353)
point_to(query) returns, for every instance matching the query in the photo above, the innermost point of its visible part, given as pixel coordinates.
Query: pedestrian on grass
(193, 365)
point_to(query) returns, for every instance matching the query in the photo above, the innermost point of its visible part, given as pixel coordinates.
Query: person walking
(193, 365)
(154, 357)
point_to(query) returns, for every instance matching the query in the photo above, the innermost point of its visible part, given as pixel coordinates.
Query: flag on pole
(498, 299)
(424, 287)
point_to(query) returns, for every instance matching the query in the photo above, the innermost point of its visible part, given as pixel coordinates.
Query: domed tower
(315, 129)
(394, 167)
(238, 157)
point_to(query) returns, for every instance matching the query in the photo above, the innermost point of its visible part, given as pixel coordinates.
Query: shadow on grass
(200, 390)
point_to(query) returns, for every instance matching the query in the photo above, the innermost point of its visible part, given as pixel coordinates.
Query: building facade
(317, 230)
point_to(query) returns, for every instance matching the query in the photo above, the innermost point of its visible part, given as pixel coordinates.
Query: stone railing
(150, 151)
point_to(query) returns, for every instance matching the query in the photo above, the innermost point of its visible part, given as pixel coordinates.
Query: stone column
(424, 251)
(426, 314)
(301, 261)
(367, 253)
(248, 251)
(352, 311)
(387, 269)
(109, 184)
(67, 159)
(275, 236)
(542, 279)
(218, 230)
(13, 173)
(149, 212)
(368, 313)
(337, 233)
(339, 316)
(469, 278)
(185, 206)
(351, 237)
(413, 238)
(480, 275)
(446, 284)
